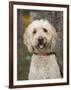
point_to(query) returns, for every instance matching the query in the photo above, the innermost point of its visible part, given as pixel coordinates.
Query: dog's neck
(44, 54)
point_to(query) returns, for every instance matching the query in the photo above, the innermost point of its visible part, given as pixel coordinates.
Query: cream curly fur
(41, 67)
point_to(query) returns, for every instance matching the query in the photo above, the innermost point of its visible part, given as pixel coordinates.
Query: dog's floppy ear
(53, 33)
(54, 38)
(27, 41)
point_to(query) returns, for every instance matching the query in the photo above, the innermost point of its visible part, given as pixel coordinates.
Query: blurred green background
(23, 56)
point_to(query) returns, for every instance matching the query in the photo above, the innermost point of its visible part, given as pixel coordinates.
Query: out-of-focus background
(23, 56)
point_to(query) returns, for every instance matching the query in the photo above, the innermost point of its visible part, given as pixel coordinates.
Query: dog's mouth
(41, 46)
(41, 43)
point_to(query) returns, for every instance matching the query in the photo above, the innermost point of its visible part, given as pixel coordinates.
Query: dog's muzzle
(41, 43)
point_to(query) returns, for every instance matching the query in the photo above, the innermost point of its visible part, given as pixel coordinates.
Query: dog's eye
(34, 31)
(45, 30)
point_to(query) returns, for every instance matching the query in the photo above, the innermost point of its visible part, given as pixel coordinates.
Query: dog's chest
(40, 63)
(41, 66)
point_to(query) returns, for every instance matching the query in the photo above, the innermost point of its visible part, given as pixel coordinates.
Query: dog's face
(40, 36)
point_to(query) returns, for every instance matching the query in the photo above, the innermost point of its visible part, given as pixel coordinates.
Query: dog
(40, 38)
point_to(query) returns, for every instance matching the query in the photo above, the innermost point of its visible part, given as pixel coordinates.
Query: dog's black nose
(40, 40)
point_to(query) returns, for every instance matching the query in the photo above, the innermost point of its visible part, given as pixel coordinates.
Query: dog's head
(40, 36)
